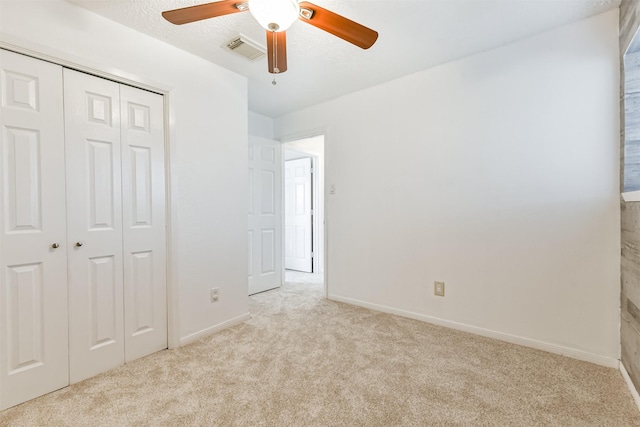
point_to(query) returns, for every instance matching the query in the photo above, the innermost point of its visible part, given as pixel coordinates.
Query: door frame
(315, 181)
(35, 50)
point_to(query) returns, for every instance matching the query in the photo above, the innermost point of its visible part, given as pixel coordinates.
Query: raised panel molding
(141, 200)
(267, 192)
(22, 180)
(143, 292)
(138, 117)
(102, 296)
(24, 308)
(268, 246)
(101, 191)
(299, 199)
(268, 154)
(289, 233)
(99, 109)
(20, 91)
(300, 243)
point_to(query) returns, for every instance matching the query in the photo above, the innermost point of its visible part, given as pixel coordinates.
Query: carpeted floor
(305, 361)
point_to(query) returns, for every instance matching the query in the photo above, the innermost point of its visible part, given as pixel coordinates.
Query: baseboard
(213, 329)
(632, 387)
(609, 362)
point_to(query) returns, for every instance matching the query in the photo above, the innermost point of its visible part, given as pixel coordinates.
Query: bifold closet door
(94, 213)
(116, 232)
(143, 200)
(33, 260)
(82, 244)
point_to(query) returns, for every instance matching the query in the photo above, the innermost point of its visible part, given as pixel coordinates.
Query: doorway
(303, 231)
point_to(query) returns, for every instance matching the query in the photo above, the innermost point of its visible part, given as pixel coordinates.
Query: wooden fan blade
(202, 11)
(277, 51)
(339, 26)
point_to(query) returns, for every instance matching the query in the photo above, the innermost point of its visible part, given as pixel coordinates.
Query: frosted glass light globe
(275, 15)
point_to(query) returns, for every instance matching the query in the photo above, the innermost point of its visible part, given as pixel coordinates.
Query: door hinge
(312, 254)
(312, 170)
(311, 212)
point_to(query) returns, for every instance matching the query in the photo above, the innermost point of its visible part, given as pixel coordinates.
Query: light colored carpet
(305, 361)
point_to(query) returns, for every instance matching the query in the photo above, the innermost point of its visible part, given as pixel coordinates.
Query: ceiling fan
(276, 16)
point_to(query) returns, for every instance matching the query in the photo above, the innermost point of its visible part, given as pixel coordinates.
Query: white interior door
(33, 279)
(143, 203)
(265, 217)
(298, 215)
(94, 201)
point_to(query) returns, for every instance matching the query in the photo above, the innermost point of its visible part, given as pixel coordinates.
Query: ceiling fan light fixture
(275, 15)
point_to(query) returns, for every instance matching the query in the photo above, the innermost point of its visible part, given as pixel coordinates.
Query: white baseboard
(607, 361)
(213, 329)
(632, 387)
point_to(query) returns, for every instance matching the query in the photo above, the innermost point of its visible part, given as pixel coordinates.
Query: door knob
(55, 246)
(78, 244)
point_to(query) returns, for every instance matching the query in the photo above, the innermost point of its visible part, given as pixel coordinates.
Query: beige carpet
(305, 361)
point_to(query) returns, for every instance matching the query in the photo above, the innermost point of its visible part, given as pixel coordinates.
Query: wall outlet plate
(215, 294)
(438, 288)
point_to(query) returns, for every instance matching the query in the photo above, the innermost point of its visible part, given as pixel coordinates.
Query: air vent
(246, 47)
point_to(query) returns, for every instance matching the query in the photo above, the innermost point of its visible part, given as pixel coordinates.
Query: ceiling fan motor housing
(275, 15)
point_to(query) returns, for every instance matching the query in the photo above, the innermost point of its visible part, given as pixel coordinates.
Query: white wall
(497, 174)
(208, 146)
(260, 125)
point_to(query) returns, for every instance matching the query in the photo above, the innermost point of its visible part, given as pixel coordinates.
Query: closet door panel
(33, 276)
(94, 206)
(143, 200)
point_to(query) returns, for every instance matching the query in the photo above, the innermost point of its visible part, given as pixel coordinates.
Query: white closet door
(94, 206)
(265, 215)
(33, 262)
(143, 203)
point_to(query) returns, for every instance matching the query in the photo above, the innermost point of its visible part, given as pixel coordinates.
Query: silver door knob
(55, 246)
(78, 244)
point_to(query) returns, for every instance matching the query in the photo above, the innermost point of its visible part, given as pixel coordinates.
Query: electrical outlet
(215, 294)
(438, 288)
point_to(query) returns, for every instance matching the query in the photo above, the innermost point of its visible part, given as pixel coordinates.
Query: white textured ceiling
(413, 35)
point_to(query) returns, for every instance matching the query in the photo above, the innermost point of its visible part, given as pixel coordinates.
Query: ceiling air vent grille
(246, 47)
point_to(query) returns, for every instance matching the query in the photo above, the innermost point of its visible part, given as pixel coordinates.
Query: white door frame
(315, 181)
(35, 50)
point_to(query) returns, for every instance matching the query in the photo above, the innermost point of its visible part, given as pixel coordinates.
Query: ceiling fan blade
(277, 51)
(202, 11)
(338, 25)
